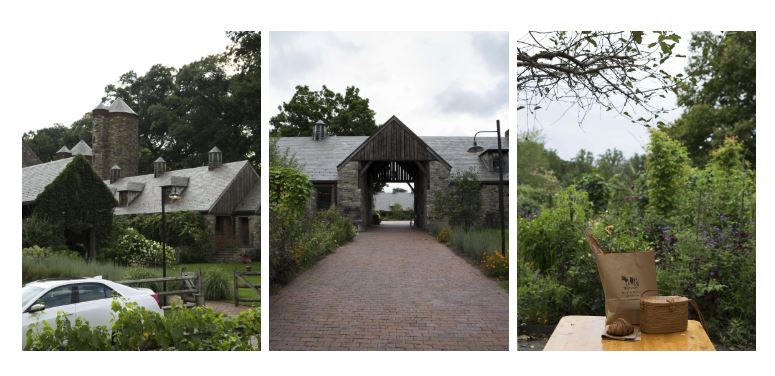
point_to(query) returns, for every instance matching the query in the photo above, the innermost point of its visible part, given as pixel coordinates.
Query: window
(123, 198)
(325, 196)
(87, 292)
(59, 296)
(496, 162)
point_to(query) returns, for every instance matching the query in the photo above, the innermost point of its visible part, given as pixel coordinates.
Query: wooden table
(583, 333)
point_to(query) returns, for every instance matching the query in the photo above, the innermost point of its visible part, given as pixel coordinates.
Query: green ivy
(75, 202)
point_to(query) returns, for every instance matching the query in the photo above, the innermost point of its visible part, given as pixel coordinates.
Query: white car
(88, 298)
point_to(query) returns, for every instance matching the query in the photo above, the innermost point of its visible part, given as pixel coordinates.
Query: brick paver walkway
(392, 288)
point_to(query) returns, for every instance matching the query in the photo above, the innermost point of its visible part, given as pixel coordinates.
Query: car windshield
(29, 292)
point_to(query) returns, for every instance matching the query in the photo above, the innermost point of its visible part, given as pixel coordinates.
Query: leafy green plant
(186, 231)
(134, 249)
(217, 285)
(461, 202)
(136, 328)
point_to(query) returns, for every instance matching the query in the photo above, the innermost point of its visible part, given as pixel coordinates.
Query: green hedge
(136, 328)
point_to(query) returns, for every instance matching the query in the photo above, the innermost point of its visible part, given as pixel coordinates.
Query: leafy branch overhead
(617, 71)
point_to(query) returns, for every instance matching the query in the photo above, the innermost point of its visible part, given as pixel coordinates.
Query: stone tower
(115, 139)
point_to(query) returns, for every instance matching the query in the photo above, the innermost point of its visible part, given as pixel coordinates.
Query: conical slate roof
(101, 106)
(63, 149)
(215, 150)
(119, 105)
(160, 159)
(115, 167)
(81, 148)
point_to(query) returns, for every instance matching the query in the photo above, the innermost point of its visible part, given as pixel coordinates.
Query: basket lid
(670, 299)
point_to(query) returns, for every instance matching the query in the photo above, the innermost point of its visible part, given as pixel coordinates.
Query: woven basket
(665, 314)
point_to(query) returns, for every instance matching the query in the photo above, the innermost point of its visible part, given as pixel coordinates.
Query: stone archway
(392, 154)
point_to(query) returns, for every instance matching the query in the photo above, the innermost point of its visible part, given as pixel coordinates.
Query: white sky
(67, 71)
(600, 130)
(437, 83)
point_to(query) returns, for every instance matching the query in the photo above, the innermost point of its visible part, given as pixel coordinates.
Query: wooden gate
(241, 281)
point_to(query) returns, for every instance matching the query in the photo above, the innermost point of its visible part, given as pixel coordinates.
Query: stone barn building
(344, 169)
(227, 194)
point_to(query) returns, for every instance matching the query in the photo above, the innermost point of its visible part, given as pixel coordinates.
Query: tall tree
(184, 112)
(345, 115)
(719, 95)
(618, 71)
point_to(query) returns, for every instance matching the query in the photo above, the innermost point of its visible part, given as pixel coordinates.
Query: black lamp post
(173, 196)
(476, 149)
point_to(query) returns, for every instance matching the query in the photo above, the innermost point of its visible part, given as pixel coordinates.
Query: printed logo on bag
(630, 282)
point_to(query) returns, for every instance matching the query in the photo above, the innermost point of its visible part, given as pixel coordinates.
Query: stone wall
(439, 183)
(348, 195)
(115, 141)
(490, 209)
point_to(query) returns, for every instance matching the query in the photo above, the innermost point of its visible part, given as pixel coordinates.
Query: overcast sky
(600, 130)
(437, 83)
(66, 72)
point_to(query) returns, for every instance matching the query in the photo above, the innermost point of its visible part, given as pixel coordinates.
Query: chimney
(62, 153)
(115, 174)
(214, 158)
(319, 131)
(159, 167)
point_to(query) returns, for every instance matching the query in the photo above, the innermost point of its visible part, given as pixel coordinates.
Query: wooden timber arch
(394, 154)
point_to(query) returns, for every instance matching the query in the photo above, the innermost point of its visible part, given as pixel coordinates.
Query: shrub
(36, 252)
(217, 285)
(134, 249)
(444, 234)
(186, 231)
(136, 328)
(541, 299)
(41, 232)
(461, 202)
(328, 230)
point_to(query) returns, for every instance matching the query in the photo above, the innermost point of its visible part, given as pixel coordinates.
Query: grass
(228, 268)
(65, 266)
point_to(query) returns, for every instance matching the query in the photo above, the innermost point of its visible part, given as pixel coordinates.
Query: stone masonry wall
(439, 183)
(490, 210)
(115, 142)
(348, 195)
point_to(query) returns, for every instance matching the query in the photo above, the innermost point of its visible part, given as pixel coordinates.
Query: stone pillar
(439, 182)
(348, 196)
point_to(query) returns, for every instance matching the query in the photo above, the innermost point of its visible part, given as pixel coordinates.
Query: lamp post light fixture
(477, 149)
(174, 195)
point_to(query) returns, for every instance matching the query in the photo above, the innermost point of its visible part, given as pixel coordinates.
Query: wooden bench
(583, 333)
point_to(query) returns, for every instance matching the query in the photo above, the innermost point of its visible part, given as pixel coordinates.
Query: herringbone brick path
(392, 288)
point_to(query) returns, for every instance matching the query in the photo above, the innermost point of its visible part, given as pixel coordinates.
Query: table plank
(583, 333)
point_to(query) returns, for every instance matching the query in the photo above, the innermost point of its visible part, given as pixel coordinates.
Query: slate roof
(203, 191)
(36, 178)
(383, 200)
(81, 148)
(29, 158)
(252, 201)
(119, 105)
(320, 158)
